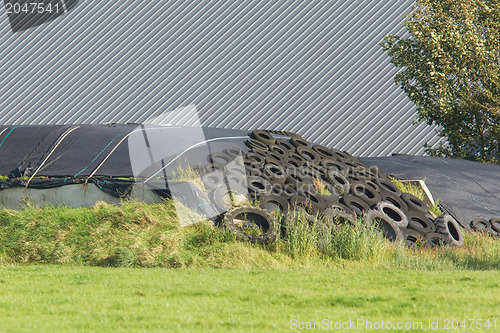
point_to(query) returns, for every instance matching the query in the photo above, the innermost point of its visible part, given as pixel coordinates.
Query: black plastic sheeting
(469, 189)
(104, 155)
(24, 148)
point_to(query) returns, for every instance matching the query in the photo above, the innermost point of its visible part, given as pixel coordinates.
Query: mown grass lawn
(50, 298)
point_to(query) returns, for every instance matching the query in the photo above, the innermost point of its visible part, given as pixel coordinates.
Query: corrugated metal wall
(313, 67)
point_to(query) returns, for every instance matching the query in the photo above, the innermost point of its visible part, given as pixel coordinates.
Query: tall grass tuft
(359, 242)
(299, 237)
(435, 209)
(306, 235)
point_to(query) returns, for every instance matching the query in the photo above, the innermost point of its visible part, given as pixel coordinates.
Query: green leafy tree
(450, 68)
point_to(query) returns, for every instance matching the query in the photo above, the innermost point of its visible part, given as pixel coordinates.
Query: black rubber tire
(263, 136)
(328, 199)
(274, 203)
(414, 239)
(323, 151)
(394, 199)
(256, 157)
(435, 240)
(495, 224)
(358, 206)
(394, 213)
(339, 181)
(387, 185)
(212, 180)
(450, 229)
(219, 195)
(299, 160)
(385, 224)
(338, 205)
(353, 177)
(337, 215)
(331, 164)
(316, 167)
(211, 167)
(233, 179)
(275, 158)
(275, 173)
(219, 158)
(277, 149)
(310, 173)
(480, 225)
(308, 154)
(341, 156)
(414, 203)
(483, 226)
(312, 194)
(258, 186)
(263, 175)
(274, 162)
(299, 201)
(252, 166)
(339, 212)
(365, 174)
(236, 170)
(300, 142)
(285, 144)
(373, 185)
(291, 164)
(252, 172)
(365, 193)
(295, 179)
(331, 198)
(284, 190)
(234, 152)
(420, 223)
(235, 167)
(256, 145)
(351, 165)
(260, 217)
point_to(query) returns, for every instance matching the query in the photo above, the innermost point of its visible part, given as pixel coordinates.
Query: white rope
(194, 146)
(61, 139)
(113, 150)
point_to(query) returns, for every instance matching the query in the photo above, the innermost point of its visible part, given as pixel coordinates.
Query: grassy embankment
(149, 235)
(347, 272)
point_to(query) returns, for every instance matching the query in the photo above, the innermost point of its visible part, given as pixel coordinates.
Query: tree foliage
(450, 68)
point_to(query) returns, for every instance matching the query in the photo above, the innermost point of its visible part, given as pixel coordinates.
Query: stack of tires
(489, 227)
(288, 172)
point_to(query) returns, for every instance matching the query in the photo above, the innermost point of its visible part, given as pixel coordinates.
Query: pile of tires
(489, 227)
(285, 172)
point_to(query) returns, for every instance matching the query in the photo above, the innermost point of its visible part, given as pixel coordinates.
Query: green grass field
(48, 298)
(133, 268)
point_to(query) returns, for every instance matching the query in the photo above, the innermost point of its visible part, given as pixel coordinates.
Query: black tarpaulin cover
(49, 156)
(99, 150)
(470, 189)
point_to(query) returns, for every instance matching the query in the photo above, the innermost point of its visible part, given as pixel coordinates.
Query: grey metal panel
(313, 67)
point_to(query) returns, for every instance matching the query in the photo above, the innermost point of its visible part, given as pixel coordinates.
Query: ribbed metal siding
(313, 67)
